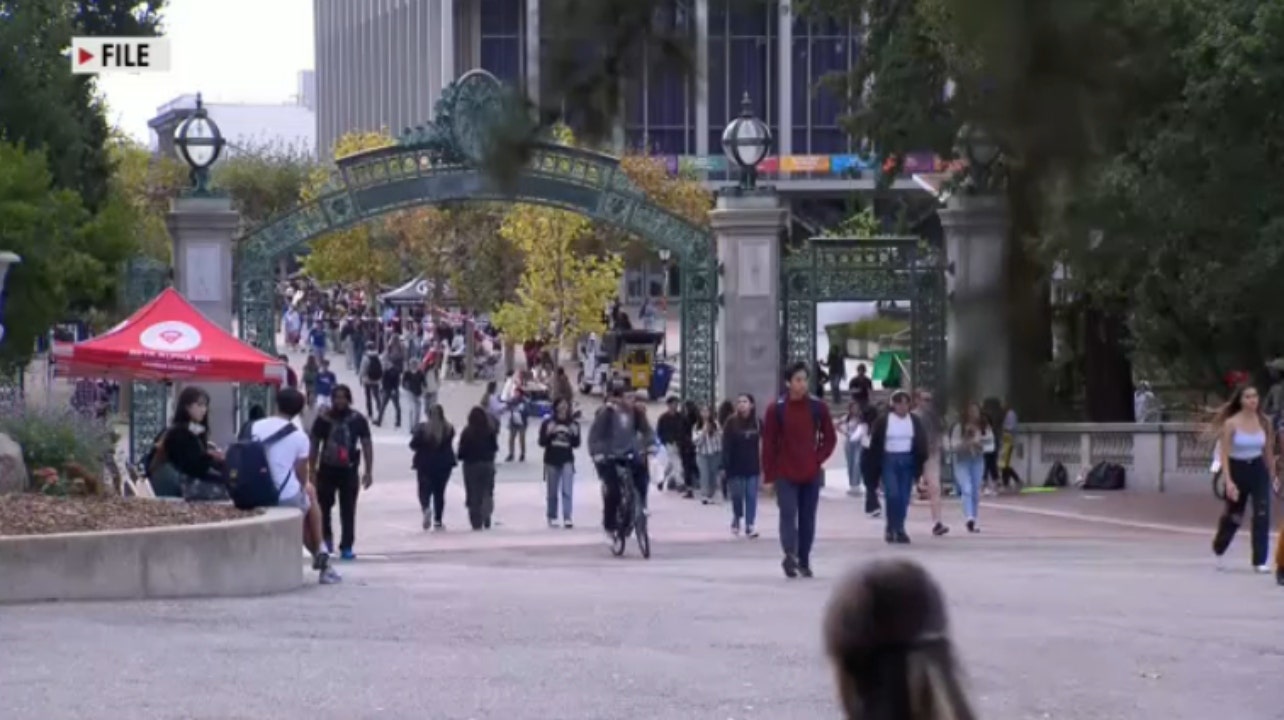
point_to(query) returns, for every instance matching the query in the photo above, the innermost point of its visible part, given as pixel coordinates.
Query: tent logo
(170, 336)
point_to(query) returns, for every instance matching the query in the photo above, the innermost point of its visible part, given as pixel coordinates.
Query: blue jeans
(969, 473)
(898, 485)
(709, 465)
(853, 450)
(798, 503)
(561, 484)
(744, 499)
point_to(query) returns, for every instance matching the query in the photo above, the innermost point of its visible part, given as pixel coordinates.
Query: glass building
(383, 63)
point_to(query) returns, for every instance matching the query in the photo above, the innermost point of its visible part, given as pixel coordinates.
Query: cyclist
(615, 439)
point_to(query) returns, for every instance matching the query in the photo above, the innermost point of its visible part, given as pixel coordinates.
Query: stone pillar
(447, 42)
(202, 229)
(976, 247)
(785, 81)
(533, 52)
(700, 84)
(747, 231)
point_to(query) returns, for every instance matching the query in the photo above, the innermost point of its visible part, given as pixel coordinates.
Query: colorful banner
(835, 165)
(845, 164)
(805, 163)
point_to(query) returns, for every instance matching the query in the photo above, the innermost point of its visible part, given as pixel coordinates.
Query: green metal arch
(369, 185)
(374, 183)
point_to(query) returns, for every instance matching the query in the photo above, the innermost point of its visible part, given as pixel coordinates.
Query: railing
(1158, 457)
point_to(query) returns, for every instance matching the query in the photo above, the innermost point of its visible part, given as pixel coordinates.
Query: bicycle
(630, 516)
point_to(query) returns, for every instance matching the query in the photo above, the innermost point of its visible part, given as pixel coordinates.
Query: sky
(231, 51)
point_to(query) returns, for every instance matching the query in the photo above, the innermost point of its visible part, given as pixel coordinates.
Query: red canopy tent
(168, 339)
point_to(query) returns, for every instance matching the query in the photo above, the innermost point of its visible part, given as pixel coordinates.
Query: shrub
(54, 438)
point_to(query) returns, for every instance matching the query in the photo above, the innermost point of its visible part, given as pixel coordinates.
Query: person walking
(559, 435)
(433, 443)
(708, 449)
(898, 449)
(930, 472)
(412, 383)
(687, 451)
(1007, 474)
(967, 443)
(311, 369)
(797, 438)
(394, 364)
(371, 372)
(515, 405)
(340, 443)
(868, 472)
(742, 464)
(478, 446)
(1248, 458)
(432, 378)
(854, 431)
(668, 429)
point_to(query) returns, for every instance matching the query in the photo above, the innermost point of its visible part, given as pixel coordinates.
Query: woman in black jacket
(559, 435)
(898, 452)
(434, 445)
(478, 446)
(741, 463)
(187, 465)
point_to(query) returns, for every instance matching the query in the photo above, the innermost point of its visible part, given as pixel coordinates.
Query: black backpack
(249, 476)
(1057, 476)
(1105, 476)
(338, 451)
(374, 369)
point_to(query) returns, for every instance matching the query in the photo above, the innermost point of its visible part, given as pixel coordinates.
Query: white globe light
(202, 151)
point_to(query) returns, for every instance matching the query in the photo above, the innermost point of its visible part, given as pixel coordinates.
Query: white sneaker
(1262, 569)
(552, 524)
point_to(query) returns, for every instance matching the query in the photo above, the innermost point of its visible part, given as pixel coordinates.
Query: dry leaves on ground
(33, 514)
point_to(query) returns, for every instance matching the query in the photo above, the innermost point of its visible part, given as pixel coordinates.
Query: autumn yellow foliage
(357, 255)
(562, 291)
(679, 195)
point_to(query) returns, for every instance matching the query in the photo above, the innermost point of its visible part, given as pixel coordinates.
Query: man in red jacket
(797, 438)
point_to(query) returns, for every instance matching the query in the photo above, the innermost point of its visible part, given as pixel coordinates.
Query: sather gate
(441, 163)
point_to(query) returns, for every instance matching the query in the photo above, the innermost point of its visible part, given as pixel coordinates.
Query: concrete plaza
(1056, 618)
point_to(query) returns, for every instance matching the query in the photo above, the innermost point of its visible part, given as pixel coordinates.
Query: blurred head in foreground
(886, 633)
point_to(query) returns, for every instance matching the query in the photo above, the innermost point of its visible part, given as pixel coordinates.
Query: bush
(54, 438)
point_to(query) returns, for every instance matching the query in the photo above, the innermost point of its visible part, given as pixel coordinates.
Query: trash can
(661, 377)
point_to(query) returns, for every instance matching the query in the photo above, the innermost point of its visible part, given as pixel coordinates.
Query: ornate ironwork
(441, 163)
(144, 279)
(867, 270)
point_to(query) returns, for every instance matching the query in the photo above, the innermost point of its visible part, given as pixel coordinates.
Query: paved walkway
(1055, 618)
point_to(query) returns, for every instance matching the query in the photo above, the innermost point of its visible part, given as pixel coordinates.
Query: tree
(423, 238)
(146, 183)
(363, 254)
(265, 181)
(47, 227)
(679, 194)
(562, 291)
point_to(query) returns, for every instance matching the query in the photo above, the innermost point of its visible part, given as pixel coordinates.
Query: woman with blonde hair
(1247, 446)
(886, 632)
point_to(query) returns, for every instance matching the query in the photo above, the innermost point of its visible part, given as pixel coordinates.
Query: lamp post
(746, 142)
(199, 144)
(7, 259)
(665, 255)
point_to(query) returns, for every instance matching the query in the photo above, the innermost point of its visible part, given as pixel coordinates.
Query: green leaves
(43, 226)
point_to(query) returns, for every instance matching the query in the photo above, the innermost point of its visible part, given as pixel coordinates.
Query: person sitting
(287, 460)
(184, 463)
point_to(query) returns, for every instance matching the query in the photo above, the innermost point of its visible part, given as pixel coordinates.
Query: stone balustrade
(1159, 457)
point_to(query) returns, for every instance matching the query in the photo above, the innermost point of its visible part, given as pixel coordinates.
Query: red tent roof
(168, 339)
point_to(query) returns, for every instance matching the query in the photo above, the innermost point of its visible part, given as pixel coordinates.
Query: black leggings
(432, 491)
(1253, 481)
(991, 466)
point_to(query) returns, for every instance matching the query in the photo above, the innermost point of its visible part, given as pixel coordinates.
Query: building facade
(381, 64)
(245, 126)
